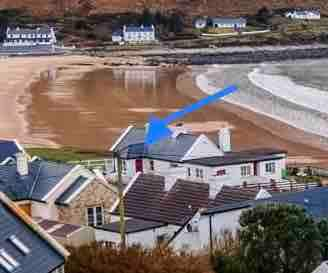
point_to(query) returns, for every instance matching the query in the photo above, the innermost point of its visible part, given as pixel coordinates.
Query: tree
(323, 229)
(147, 18)
(263, 15)
(175, 23)
(279, 238)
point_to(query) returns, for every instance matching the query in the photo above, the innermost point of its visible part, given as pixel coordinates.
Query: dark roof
(39, 30)
(228, 20)
(77, 184)
(232, 195)
(171, 149)
(58, 229)
(8, 149)
(239, 157)
(228, 207)
(42, 258)
(139, 29)
(148, 200)
(131, 226)
(314, 201)
(42, 178)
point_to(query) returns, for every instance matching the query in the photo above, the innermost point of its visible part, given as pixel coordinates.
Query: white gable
(203, 147)
(262, 194)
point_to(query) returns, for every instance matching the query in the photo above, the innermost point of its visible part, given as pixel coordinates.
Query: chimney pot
(224, 140)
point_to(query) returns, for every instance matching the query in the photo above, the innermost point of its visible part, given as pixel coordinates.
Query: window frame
(270, 167)
(94, 216)
(247, 172)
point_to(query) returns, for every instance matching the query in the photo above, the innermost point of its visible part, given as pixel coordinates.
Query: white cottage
(197, 158)
(303, 14)
(228, 22)
(40, 36)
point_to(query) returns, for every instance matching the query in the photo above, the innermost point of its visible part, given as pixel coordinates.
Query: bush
(104, 259)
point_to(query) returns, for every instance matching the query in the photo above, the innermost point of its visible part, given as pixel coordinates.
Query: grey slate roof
(239, 157)
(132, 225)
(20, 31)
(64, 230)
(42, 257)
(7, 149)
(139, 29)
(79, 182)
(170, 149)
(42, 178)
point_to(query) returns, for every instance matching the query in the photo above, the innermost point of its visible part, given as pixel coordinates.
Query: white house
(227, 22)
(30, 37)
(197, 158)
(303, 14)
(117, 36)
(200, 23)
(159, 210)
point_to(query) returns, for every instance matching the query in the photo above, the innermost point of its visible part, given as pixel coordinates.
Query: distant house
(159, 210)
(117, 36)
(57, 191)
(197, 158)
(303, 14)
(200, 23)
(228, 22)
(8, 150)
(30, 37)
(24, 246)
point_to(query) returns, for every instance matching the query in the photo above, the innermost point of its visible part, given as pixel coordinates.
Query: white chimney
(22, 164)
(214, 190)
(224, 140)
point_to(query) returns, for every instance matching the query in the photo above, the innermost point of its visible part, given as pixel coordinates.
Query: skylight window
(7, 261)
(19, 244)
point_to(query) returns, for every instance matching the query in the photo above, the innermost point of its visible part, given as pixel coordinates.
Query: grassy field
(65, 154)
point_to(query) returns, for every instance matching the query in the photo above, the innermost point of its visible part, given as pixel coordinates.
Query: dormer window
(19, 244)
(7, 261)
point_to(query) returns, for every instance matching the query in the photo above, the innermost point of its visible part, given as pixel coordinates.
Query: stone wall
(97, 193)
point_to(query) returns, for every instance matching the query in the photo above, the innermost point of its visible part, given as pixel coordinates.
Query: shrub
(98, 258)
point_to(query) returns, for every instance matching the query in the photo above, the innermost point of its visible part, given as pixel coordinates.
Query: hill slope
(190, 7)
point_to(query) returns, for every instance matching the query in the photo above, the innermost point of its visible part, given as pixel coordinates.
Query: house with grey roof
(197, 158)
(27, 37)
(8, 150)
(135, 34)
(227, 22)
(303, 14)
(24, 246)
(159, 210)
(57, 191)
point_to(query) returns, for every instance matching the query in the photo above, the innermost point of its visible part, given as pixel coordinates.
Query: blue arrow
(157, 128)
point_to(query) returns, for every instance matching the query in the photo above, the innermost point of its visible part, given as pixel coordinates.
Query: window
(19, 244)
(188, 171)
(151, 165)
(270, 167)
(199, 173)
(245, 170)
(220, 172)
(7, 261)
(124, 166)
(95, 216)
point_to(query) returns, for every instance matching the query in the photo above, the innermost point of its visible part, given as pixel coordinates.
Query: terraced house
(57, 191)
(24, 246)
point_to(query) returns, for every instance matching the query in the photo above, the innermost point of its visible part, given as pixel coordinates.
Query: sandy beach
(17, 74)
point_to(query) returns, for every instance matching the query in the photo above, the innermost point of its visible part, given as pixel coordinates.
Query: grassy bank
(65, 154)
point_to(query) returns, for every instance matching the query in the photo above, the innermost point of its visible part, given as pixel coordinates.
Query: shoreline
(17, 76)
(253, 130)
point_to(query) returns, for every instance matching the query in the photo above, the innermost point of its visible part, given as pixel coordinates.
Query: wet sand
(17, 74)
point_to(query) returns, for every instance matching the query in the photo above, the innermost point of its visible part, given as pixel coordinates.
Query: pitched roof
(42, 178)
(8, 149)
(139, 29)
(228, 20)
(239, 157)
(314, 201)
(44, 254)
(79, 182)
(58, 229)
(232, 195)
(39, 30)
(132, 225)
(170, 149)
(147, 199)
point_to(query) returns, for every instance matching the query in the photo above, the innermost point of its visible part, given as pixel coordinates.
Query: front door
(139, 165)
